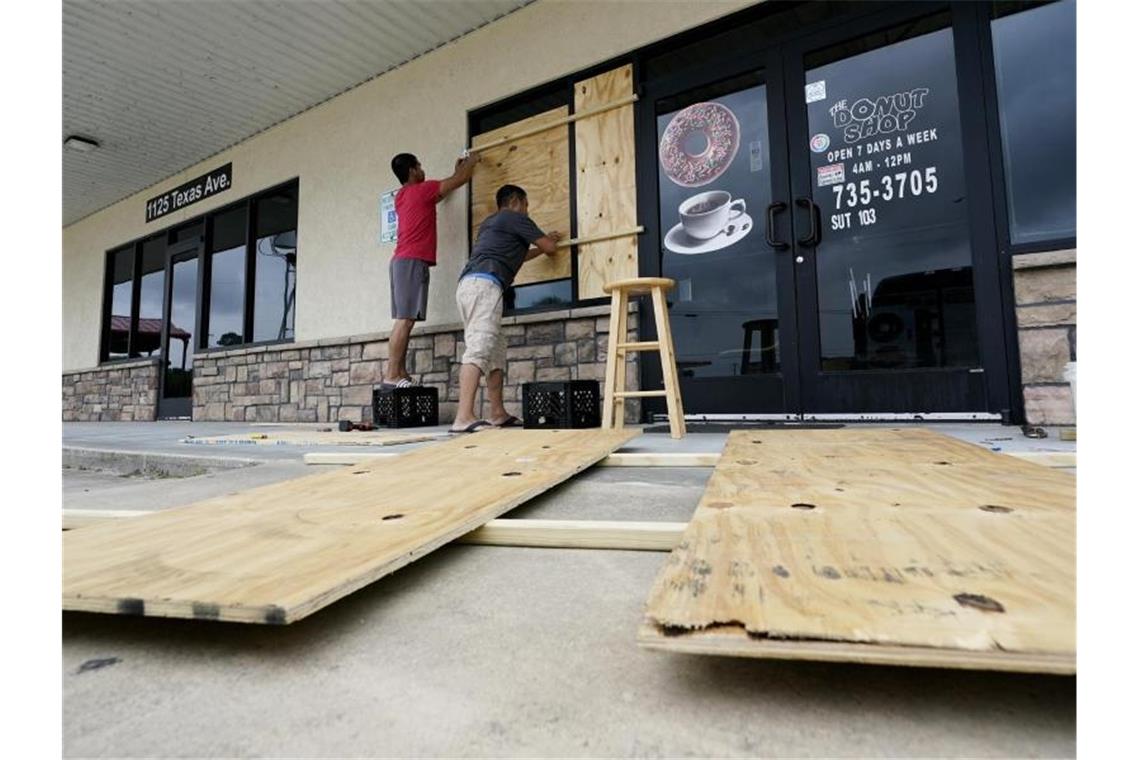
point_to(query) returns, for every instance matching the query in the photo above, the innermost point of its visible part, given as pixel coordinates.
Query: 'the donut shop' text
(885, 114)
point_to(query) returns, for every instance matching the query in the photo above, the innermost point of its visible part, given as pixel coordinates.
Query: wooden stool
(613, 409)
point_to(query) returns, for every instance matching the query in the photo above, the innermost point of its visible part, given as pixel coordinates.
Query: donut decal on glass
(699, 144)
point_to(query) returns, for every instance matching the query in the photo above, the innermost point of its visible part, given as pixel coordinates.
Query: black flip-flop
(511, 421)
(474, 427)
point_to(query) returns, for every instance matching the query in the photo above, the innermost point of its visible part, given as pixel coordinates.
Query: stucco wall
(341, 150)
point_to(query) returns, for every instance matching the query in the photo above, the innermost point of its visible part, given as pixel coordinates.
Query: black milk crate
(566, 404)
(416, 406)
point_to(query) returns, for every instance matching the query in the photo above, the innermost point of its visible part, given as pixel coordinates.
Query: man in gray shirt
(503, 245)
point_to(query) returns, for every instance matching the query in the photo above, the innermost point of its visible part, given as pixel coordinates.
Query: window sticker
(832, 174)
(755, 156)
(819, 143)
(815, 91)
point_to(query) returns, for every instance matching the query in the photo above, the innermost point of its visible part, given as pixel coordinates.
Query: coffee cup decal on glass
(706, 215)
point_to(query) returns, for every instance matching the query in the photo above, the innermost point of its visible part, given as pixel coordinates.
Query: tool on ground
(348, 425)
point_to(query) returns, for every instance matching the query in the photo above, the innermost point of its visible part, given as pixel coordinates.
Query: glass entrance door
(885, 276)
(823, 203)
(718, 172)
(180, 330)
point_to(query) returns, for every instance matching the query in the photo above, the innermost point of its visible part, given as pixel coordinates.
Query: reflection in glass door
(885, 280)
(178, 338)
(715, 186)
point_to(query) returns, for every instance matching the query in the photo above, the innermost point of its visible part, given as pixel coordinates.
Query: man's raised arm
(464, 168)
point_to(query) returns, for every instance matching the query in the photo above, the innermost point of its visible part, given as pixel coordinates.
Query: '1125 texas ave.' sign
(193, 191)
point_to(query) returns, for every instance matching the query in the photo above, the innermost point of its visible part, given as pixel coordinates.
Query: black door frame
(171, 408)
(766, 63)
(993, 293)
(962, 390)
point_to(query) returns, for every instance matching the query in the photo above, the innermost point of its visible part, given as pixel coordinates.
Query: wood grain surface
(540, 164)
(277, 553)
(878, 537)
(606, 181)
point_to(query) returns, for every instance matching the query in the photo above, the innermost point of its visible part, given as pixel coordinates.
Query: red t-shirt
(415, 211)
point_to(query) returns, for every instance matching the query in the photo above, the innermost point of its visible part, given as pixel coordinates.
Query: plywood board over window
(540, 164)
(606, 180)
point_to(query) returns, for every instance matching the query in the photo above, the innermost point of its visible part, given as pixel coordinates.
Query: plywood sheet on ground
(874, 538)
(277, 553)
(606, 179)
(540, 164)
(316, 438)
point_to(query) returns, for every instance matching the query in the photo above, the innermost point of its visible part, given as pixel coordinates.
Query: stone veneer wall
(1045, 286)
(126, 391)
(329, 380)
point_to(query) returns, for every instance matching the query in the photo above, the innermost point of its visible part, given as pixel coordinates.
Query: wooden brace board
(540, 164)
(606, 181)
(1058, 459)
(874, 545)
(277, 553)
(555, 534)
(315, 438)
(617, 459)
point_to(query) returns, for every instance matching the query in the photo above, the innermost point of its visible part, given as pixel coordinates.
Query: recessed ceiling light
(81, 144)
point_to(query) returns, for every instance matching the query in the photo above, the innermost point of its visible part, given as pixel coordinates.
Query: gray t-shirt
(500, 249)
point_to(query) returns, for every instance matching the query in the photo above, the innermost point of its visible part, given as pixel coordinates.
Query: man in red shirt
(408, 272)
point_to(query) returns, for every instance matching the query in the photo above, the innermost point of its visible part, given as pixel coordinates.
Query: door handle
(813, 235)
(773, 209)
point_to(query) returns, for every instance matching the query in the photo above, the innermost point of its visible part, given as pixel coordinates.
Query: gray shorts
(409, 281)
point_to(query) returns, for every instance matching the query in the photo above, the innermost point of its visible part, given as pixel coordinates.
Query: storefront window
(542, 284)
(227, 279)
(122, 264)
(152, 292)
(180, 340)
(276, 266)
(714, 180)
(227, 292)
(894, 268)
(539, 295)
(1035, 59)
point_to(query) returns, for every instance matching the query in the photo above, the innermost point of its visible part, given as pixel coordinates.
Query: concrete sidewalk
(501, 651)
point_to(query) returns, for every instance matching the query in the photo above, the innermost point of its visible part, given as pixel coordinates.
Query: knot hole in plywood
(997, 508)
(979, 602)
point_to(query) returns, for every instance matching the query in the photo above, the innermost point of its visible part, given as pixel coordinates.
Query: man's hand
(464, 168)
(547, 244)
